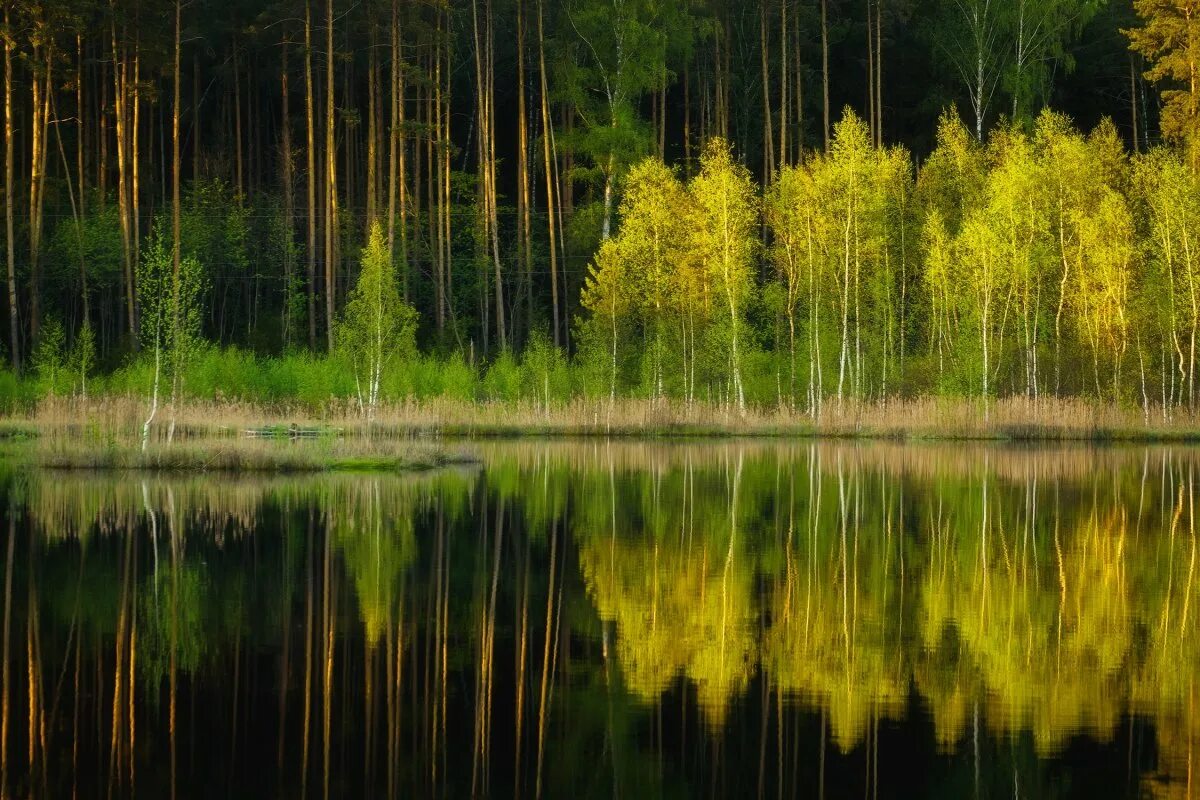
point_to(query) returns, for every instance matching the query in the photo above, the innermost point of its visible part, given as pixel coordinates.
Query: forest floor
(113, 423)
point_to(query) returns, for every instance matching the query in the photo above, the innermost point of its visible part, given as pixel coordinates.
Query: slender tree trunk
(134, 159)
(289, 199)
(80, 129)
(437, 147)
(443, 89)
(785, 119)
(524, 224)
(394, 100)
(871, 70)
(176, 234)
(372, 123)
(402, 165)
(196, 117)
(501, 311)
(41, 86)
(433, 180)
(727, 76)
(330, 177)
(879, 73)
(102, 131)
(13, 307)
(549, 167)
(310, 178)
(1133, 104)
(485, 99)
(825, 71)
(80, 135)
(768, 138)
(239, 173)
(797, 85)
(77, 220)
(687, 122)
(120, 99)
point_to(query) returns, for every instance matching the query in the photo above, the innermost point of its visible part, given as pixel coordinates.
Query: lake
(612, 619)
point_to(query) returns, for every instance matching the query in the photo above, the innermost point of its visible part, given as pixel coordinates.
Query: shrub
(502, 381)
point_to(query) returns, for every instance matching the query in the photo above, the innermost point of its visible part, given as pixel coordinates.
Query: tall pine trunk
(825, 71)
(310, 152)
(330, 177)
(176, 221)
(372, 124)
(549, 167)
(41, 87)
(120, 112)
(289, 198)
(524, 229)
(14, 328)
(768, 123)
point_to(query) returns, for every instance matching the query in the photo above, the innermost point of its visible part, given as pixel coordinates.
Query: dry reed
(934, 418)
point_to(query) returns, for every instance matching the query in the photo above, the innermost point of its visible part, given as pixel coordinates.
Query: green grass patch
(238, 455)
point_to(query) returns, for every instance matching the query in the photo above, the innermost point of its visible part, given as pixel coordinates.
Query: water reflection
(602, 618)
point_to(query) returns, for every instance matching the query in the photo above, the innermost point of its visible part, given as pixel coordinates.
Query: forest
(774, 203)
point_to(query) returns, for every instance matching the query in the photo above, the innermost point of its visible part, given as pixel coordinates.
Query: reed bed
(1014, 419)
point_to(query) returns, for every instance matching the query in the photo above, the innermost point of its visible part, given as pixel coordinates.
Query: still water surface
(612, 620)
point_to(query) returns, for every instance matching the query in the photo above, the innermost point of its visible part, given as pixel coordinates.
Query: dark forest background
(488, 137)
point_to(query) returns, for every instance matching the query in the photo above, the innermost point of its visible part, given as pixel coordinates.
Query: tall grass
(229, 390)
(117, 417)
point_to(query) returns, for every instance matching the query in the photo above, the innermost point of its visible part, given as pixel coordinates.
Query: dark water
(612, 620)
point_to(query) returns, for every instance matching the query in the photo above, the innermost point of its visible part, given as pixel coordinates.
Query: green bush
(15, 394)
(451, 378)
(502, 381)
(135, 376)
(545, 371)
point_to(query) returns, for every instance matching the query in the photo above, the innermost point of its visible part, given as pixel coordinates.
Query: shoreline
(119, 420)
(230, 437)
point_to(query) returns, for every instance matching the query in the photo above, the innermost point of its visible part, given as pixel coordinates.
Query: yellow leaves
(605, 290)
(953, 175)
(1169, 198)
(678, 611)
(675, 241)
(1102, 287)
(653, 239)
(1169, 39)
(1040, 225)
(727, 217)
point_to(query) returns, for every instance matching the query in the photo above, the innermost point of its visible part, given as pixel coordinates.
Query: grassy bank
(56, 449)
(94, 425)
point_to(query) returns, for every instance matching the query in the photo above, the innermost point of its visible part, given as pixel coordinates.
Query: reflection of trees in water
(835, 637)
(149, 588)
(404, 623)
(674, 576)
(1052, 605)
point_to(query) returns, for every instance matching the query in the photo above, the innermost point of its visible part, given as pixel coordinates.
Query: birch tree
(1018, 208)
(606, 297)
(376, 325)
(171, 317)
(654, 242)
(727, 237)
(1168, 194)
(971, 35)
(788, 206)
